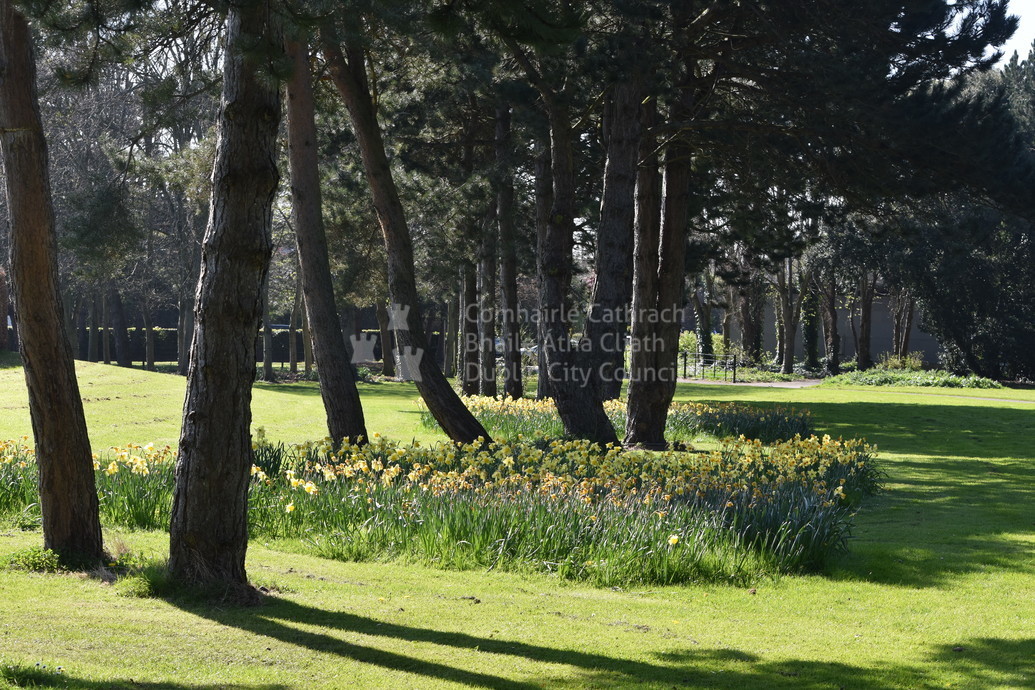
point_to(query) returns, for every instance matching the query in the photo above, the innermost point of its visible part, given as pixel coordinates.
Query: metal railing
(715, 367)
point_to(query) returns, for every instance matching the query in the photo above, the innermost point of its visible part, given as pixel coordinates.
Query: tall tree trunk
(607, 321)
(487, 313)
(119, 329)
(703, 320)
(149, 339)
(831, 337)
(209, 529)
(93, 339)
(68, 495)
(543, 204)
(470, 365)
(810, 326)
(296, 307)
(105, 327)
(512, 383)
(350, 78)
(307, 343)
(337, 377)
(578, 404)
(267, 336)
(867, 291)
(653, 378)
(449, 343)
(387, 340)
(641, 425)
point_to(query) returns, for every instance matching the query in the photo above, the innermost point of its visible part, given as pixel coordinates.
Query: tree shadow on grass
(22, 676)
(979, 661)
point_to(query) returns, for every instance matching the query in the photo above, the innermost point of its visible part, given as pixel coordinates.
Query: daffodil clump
(509, 418)
(605, 515)
(18, 485)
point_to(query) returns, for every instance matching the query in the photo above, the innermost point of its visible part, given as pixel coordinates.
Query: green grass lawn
(937, 590)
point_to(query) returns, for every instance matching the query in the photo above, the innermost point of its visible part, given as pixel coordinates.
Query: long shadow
(33, 677)
(272, 620)
(982, 660)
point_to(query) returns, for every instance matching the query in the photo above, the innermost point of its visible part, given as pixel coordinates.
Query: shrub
(899, 377)
(512, 419)
(35, 559)
(913, 361)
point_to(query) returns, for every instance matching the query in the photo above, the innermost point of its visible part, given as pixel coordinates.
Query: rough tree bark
(337, 378)
(513, 386)
(487, 312)
(470, 367)
(831, 337)
(209, 528)
(350, 78)
(607, 321)
(68, 495)
(543, 204)
(656, 314)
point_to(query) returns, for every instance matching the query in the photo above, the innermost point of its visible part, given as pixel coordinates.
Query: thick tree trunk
(487, 313)
(337, 377)
(751, 310)
(578, 404)
(608, 321)
(387, 340)
(543, 204)
(512, 383)
(831, 337)
(470, 366)
(68, 495)
(442, 401)
(653, 375)
(209, 528)
(641, 427)
(120, 331)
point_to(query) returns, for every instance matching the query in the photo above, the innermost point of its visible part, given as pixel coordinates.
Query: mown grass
(934, 592)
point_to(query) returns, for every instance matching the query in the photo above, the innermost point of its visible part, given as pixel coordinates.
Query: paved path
(804, 383)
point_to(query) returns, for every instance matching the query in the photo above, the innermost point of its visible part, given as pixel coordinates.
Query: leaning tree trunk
(337, 377)
(209, 527)
(607, 321)
(443, 403)
(68, 495)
